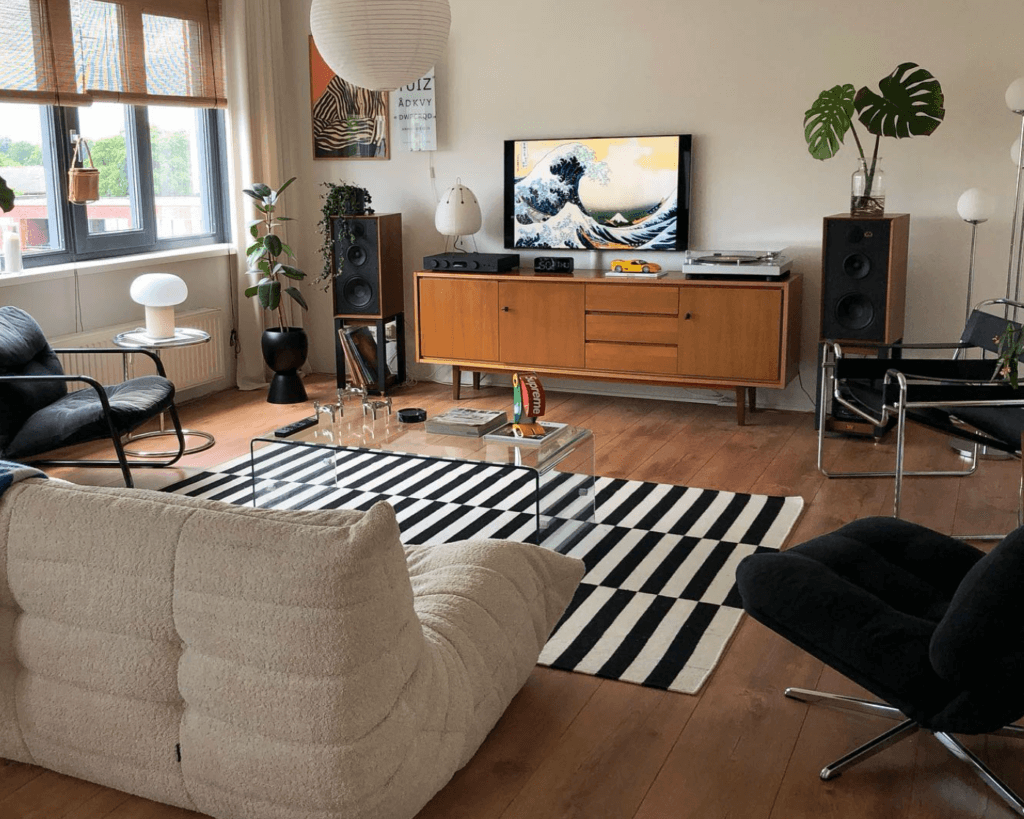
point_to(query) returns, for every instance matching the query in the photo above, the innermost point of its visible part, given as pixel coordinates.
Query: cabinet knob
(504, 309)
(688, 316)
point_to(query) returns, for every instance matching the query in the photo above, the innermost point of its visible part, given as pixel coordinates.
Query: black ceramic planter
(285, 351)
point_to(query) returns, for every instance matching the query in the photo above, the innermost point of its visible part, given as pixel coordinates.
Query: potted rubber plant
(341, 199)
(909, 103)
(285, 347)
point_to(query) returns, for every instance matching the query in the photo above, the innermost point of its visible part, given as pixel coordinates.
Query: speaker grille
(857, 279)
(357, 260)
(357, 291)
(857, 266)
(356, 255)
(854, 312)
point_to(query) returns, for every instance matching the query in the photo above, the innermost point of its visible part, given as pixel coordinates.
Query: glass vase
(867, 189)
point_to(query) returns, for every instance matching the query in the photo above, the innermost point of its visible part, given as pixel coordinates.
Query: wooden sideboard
(723, 334)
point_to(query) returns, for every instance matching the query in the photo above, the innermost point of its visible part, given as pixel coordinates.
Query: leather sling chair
(959, 395)
(39, 414)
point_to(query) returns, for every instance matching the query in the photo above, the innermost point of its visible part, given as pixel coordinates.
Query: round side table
(138, 340)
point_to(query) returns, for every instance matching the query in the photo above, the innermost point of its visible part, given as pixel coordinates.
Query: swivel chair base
(904, 729)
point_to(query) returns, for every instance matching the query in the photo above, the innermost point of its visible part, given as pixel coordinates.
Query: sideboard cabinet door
(458, 318)
(541, 324)
(730, 333)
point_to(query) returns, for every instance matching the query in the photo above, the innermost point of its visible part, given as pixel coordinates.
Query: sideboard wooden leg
(752, 395)
(456, 382)
(741, 406)
(476, 381)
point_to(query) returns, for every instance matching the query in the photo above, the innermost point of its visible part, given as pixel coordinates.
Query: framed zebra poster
(348, 122)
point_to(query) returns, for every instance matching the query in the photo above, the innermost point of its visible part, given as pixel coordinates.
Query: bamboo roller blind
(137, 52)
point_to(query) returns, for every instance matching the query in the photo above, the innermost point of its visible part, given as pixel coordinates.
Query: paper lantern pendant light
(380, 44)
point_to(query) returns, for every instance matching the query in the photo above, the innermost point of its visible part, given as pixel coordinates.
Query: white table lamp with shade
(159, 293)
(458, 214)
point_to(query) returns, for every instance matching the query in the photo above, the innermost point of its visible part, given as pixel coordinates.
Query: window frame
(60, 124)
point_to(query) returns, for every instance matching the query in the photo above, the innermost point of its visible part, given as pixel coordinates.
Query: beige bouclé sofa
(256, 664)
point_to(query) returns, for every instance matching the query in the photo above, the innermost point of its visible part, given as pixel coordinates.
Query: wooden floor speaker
(367, 260)
(864, 277)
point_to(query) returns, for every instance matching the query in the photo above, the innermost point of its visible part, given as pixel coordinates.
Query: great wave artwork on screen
(348, 122)
(600, 193)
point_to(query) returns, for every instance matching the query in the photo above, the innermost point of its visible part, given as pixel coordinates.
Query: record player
(769, 265)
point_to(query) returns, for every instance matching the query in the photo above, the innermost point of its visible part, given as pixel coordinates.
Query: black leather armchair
(927, 623)
(39, 414)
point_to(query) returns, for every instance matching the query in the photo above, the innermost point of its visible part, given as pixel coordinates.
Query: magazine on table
(635, 274)
(509, 435)
(465, 421)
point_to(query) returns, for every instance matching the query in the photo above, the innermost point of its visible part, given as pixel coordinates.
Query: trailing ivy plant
(264, 254)
(341, 199)
(910, 104)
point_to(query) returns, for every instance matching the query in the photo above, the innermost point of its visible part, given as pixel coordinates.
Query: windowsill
(67, 271)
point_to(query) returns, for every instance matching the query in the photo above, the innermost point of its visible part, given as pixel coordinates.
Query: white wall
(738, 75)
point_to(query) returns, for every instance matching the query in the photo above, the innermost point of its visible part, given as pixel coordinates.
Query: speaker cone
(356, 255)
(854, 311)
(357, 292)
(856, 265)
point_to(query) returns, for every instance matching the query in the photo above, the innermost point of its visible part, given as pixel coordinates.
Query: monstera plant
(910, 103)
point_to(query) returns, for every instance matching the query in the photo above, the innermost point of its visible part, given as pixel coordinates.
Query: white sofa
(251, 664)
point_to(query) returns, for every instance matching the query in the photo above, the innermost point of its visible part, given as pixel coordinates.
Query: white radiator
(186, 366)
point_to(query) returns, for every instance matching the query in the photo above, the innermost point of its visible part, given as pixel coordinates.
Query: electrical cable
(79, 323)
(800, 381)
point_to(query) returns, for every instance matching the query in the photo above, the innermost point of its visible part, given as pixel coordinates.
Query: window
(141, 80)
(160, 180)
(24, 165)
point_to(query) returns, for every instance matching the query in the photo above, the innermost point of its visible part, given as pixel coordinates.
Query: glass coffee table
(542, 492)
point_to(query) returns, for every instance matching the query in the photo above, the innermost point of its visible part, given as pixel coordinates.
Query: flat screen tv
(598, 193)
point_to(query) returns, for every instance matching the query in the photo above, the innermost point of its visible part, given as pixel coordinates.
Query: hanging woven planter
(83, 183)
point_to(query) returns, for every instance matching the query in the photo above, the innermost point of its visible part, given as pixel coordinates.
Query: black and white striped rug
(658, 603)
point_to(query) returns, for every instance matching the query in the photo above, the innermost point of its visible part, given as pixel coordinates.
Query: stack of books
(464, 421)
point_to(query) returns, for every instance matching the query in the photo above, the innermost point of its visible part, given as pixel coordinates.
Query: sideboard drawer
(642, 329)
(638, 358)
(632, 298)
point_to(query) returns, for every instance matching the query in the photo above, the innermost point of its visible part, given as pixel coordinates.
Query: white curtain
(256, 97)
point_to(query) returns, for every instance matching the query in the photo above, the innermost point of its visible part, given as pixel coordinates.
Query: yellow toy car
(634, 266)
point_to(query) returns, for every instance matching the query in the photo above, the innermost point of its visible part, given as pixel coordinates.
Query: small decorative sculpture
(527, 404)
(334, 410)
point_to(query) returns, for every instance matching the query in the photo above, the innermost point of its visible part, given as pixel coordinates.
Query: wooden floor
(575, 746)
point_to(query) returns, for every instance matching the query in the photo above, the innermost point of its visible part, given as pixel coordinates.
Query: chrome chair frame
(832, 351)
(122, 460)
(905, 728)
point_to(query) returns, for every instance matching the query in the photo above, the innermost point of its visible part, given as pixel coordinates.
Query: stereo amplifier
(472, 262)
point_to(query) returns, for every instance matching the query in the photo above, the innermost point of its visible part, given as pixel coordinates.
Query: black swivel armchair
(927, 623)
(38, 414)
